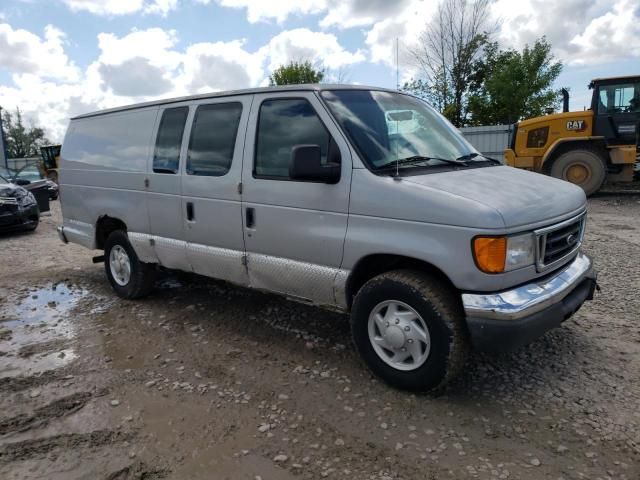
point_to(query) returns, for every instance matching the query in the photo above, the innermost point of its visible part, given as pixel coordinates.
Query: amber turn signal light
(490, 253)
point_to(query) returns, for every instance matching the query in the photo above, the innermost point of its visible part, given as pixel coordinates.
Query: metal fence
(490, 140)
(18, 163)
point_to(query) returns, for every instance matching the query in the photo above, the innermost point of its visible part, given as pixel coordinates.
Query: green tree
(295, 73)
(21, 140)
(510, 85)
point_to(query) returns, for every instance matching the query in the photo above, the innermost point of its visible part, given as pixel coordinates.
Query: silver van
(357, 199)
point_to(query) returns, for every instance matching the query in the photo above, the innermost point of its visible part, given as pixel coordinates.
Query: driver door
(294, 231)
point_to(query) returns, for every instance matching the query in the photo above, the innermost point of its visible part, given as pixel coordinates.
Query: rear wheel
(129, 277)
(409, 330)
(584, 167)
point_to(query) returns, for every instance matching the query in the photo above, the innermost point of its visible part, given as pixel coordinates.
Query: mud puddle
(36, 331)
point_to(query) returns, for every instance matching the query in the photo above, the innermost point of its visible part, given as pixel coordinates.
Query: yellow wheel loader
(588, 147)
(50, 161)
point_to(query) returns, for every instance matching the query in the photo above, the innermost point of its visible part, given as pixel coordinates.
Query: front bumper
(18, 218)
(510, 319)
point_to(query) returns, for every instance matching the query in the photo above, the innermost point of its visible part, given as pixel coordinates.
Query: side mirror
(306, 165)
(22, 182)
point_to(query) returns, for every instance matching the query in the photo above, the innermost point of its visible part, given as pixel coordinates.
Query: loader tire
(584, 167)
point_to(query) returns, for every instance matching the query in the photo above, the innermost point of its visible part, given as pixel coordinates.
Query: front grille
(559, 242)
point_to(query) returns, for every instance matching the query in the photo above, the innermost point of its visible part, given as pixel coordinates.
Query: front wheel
(409, 330)
(129, 277)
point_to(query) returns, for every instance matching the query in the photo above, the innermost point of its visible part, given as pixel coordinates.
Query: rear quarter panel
(104, 161)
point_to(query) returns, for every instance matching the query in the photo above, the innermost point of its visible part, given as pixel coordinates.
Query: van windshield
(386, 126)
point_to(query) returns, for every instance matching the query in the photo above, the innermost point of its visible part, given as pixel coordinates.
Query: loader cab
(50, 161)
(616, 109)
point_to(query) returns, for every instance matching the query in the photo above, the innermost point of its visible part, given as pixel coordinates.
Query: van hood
(519, 196)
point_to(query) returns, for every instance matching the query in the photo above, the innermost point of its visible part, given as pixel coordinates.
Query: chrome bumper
(528, 299)
(61, 235)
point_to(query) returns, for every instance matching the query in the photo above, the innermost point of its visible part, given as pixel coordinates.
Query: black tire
(440, 310)
(142, 277)
(584, 167)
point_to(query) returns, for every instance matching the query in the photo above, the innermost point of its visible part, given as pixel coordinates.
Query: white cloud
(154, 44)
(105, 7)
(406, 26)
(161, 7)
(583, 32)
(612, 36)
(339, 13)
(135, 77)
(140, 65)
(303, 44)
(122, 7)
(43, 102)
(146, 65)
(279, 10)
(153, 63)
(219, 66)
(24, 52)
(355, 13)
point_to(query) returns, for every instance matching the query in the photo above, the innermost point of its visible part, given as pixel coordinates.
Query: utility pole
(3, 144)
(397, 65)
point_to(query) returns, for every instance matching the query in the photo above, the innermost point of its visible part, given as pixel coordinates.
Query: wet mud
(203, 380)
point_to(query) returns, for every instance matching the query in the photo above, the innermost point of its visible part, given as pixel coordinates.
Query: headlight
(503, 254)
(520, 251)
(27, 199)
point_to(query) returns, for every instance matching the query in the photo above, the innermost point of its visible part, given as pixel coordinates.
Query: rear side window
(167, 153)
(282, 125)
(213, 139)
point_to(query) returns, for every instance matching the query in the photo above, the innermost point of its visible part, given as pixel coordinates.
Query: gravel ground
(206, 380)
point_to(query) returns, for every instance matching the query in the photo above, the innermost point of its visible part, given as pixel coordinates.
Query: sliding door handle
(250, 217)
(190, 215)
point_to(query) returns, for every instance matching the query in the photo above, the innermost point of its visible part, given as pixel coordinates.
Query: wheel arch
(563, 145)
(105, 226)
(373, 265)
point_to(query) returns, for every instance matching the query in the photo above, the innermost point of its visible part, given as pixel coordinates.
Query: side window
(283, 124)
(619, 98)
(213, 139)
(167, 153)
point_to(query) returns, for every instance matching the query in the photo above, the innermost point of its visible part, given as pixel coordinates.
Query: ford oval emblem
(571, 240)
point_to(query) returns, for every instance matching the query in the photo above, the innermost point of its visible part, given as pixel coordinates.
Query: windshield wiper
(419, 159)
(470, 156)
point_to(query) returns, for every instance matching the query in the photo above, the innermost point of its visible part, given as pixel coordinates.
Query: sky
(60, 58)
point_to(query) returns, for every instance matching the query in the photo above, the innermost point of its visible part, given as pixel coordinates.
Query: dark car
(18, 208)
(32, 174)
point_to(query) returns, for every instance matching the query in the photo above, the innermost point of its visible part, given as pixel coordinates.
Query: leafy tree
(446, 52)
(510, 85)
(21, 140)
(295, 73)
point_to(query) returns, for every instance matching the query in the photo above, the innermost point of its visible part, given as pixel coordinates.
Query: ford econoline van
(357, 199)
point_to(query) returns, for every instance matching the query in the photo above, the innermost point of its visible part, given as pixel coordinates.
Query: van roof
(249, 91)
